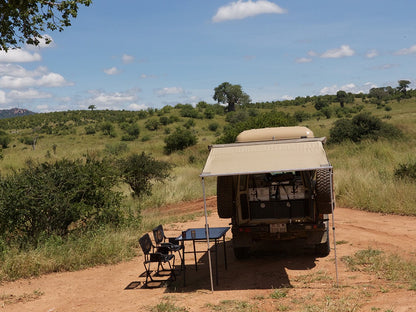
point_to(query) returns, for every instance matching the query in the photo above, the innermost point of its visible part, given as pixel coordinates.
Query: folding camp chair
(172, 245)
(150, 256)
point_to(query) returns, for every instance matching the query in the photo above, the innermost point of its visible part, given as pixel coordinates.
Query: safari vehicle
(276, 185)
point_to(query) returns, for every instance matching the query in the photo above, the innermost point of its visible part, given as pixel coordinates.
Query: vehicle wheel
(241, 252)
(225, 196)
(323, 249)
(323, 191)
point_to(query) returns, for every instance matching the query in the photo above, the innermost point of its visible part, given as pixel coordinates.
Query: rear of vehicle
(282, 190)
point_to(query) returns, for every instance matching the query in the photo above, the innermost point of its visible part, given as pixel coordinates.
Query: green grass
(363, 174)
(390, 267)
(233, 305)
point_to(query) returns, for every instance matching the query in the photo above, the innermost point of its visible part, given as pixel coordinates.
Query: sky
(134, 54)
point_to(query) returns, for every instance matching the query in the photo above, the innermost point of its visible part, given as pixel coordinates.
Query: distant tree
(321, 102)
(342, 97)
(108, 129)
(4, 139)
(140, 171)
(26, 21)
(179, 140)
(402, 88)
(91, 107)
(230, 94)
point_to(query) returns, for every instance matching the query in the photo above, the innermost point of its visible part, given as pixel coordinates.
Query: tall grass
(364, 176)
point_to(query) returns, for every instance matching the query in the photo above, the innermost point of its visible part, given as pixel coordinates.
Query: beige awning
(279, 156)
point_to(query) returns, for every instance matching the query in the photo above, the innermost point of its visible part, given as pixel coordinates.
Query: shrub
(179, 140)
(108, 128)
(48, 198)
(90, 130)
(363, 126)
(152, 124)
(301, 116)
(406, 171)
(4, 139)
(189, 124)
(140, 171)
(213, 126)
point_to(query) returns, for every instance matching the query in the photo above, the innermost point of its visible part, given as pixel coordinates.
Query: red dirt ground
(309, 283)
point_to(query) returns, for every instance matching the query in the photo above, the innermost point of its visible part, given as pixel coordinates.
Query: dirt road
(267, 282)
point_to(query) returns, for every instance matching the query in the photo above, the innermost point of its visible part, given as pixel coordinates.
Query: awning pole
(333, 222)
(207, 234)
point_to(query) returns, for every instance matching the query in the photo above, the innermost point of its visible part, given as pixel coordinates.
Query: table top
(199, 233)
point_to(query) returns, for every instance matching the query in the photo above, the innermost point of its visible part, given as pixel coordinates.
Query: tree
(25, 21)
(91, 107)
(341, 97)
(232, 95)
(140, 171)
(179, 140)
(403, 85)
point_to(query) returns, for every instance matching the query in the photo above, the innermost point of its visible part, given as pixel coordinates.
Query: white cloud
(303, 60)
(17, 77)
(343, 51)
(241, 10)
(349, 87)
(371, 54)
(135, 106)
(29, 94)
(287, 97)
(18, 56)
(406, 51)
(169, 90)
(127, 59)
(103, 100)
(111, 71)
(2, 97)
(312, 53)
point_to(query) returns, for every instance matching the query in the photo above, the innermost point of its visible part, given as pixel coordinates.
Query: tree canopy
(230, 94)
(26, 21)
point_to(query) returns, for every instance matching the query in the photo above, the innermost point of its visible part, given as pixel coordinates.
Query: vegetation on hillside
(68, 176)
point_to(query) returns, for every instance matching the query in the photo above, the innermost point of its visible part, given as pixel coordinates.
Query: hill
(14, 112)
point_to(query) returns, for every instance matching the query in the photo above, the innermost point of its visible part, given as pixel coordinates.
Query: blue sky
(134, 54)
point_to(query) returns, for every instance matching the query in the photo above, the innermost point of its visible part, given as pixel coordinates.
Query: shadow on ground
(265, 268)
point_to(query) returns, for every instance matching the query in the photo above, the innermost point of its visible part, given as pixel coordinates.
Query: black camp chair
(150, 256)
(166, 245)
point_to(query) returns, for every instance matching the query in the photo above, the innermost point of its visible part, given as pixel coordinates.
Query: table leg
(183, 267)
(196, 264)
(216, 261)
(225, 253)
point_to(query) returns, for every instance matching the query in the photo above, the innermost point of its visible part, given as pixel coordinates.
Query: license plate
(278, 228)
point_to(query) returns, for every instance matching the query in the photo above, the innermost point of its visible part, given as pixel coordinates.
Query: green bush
(406, 171)
(4, 139)
(179, 140)
(152, 124)
(90, 130)
(51, 198)
(363, 126)
(108, 128)
(140, 171)
(213, 126)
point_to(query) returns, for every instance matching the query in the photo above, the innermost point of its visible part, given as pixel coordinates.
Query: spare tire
(323, 191)
(225, 196)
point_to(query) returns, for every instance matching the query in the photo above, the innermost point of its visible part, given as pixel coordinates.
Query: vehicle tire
(241, 252)
(323, 249)
(225, 196)
(323, 191)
